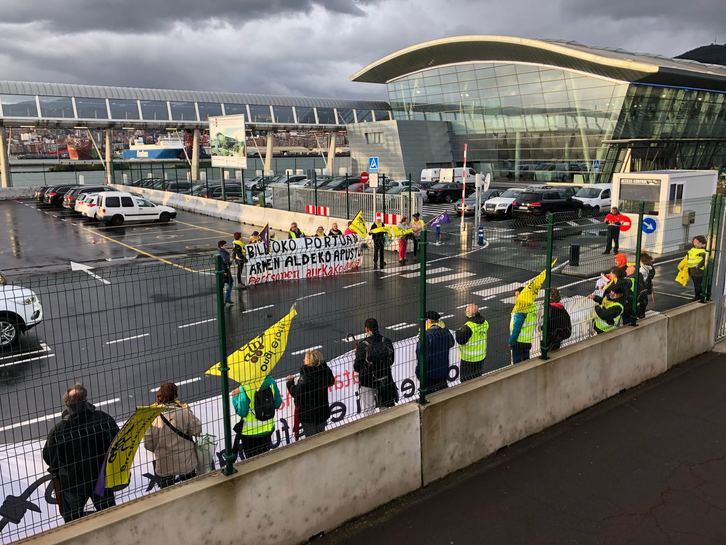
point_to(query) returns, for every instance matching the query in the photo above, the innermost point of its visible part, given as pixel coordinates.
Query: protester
(439, 341)
(295, 232)
(417, 225)
(632, 293)
(614, 221)
(647, 270)
(697, 264)
(348, 230)
(75, 451)
(559, 327)
(227, 269)
(334, 231)
(171, 438)
(311, 392)
(472, 340)
(609, 311)
(522, 326)
(257, 411)
(621, 261)
(378, 234)
(239, 256)
(255, 237)
(403, 241)
(320, 232)
(619, 280)
(374, 358)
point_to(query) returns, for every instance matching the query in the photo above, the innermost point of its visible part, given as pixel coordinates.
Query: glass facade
(56, 107)
(345, 116)
(154, 110)
(283, 114)
(326, 116)
(260, 113)
(91, 108)
(235, 109)
(208, 108)
(305, 115)
(123, 109)
(182, 111)
(18, 106)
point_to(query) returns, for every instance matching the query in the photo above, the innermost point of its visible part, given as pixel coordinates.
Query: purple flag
(438, 220)
(265, 237)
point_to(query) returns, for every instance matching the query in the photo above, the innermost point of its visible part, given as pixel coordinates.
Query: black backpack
(264, 404)
(379, 356)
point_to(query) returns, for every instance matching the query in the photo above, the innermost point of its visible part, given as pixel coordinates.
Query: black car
(69, 199)
(537, 203)
(341, 183)
(54, 195)
(447, 192)
(39, 194)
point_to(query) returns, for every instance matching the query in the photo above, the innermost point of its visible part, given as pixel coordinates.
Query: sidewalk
(646, 467)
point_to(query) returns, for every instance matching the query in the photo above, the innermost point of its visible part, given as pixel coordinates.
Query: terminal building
(542, 110)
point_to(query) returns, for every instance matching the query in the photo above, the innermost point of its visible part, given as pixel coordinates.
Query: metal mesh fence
(126, 329)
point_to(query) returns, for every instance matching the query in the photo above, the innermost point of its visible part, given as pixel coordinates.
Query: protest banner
(301, 258)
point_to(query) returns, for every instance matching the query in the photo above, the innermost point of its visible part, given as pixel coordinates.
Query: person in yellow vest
(696, 257)
(255, 237)
(472, 340)
(295, 231)
(320, 232)
(522, 327)
(239, 256)
(417, 225)
(257, 411)
(609, 312)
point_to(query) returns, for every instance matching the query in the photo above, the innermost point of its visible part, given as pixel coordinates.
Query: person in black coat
(560, 325)
(374, 358)
(75, 450)
(311, 392)
(439, 341)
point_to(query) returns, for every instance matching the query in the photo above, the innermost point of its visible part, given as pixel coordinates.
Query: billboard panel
(227, 141)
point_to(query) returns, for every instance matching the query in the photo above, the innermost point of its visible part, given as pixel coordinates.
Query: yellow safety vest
(601, 324)
(241, 247)
(526, 334)
(475, 348)
(293, 234)
(694, 258)
(252, 426)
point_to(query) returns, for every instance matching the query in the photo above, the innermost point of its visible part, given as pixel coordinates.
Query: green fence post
(315, 188)
(636, 276)
(714, 240)
(545, 344)
(422, 321)
(289, 204)
(410, 199)
(383, 180)
(347, 198)
(229, 456)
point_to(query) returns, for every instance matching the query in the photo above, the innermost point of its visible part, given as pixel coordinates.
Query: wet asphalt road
(155, 319)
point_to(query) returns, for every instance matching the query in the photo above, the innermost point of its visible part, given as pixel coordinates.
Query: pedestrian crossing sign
(373, 164)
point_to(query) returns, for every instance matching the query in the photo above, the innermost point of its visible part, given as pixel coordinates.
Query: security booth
(677, 207)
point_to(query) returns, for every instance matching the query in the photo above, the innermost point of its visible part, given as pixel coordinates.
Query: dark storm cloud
(156, 15)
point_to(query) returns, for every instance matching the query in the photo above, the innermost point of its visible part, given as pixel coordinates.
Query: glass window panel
(528, 77)
(283, 114)
(56, 107)
(449, 78)
(305, 115)
(530, 88)
(446, 70)
(345, 115)
(382, 115)
(19, 106)
(505, 70)
(365, 115)
(235, 109)
(154, 110)
(260, 113)
(207, 109)
(91, 108)
(326, 116)
(183, 111)
(123, 109)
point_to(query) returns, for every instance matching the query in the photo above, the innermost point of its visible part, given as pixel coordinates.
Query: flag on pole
(440, 219)
(250, 364)
(358, 225)
(265, 237)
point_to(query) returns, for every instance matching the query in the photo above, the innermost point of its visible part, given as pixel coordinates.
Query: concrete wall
(11, 193)
(283, 497)
(465, 424)
(691, 331)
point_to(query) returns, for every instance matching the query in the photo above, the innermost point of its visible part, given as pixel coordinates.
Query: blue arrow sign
(649, 225)
(373, 164)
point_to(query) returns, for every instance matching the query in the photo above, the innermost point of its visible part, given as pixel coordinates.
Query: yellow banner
(682, 276)
(528, 294)
(121, 453)
(358, 225)
(254, 361)
(397, 232)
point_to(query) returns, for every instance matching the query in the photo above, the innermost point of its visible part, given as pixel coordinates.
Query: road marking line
(561, 266)
(573, 223)
(256, 309)
(26, 360)
(462, 306)
(446, 316)
(309, 296)
(491, 292)
(52, 416)
(593, 220)
(472, 283)
(356, 337)
(44, 348)
(354, 285)
(578, 282)
(306, 350)
(182, 383)
(448, 277)
(387, 276)
(405, 327)
(394, 326)
(203, 228)
(673, 295)
(432, 271)
(196, 323)
(128, 338)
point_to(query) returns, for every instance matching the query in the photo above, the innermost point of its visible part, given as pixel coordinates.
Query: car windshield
(529, 197)
(440, 186)
(588, 193)
(510, 193)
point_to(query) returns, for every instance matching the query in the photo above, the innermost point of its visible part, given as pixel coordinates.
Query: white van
(455, 175)
(118, 207)
(430, 175)
(595, 197)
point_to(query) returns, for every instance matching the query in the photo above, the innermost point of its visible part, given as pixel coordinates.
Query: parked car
(174, 186)
(20, 310)
(470, 201)
(357, 187)
(284, 179)
(268, 198)
(39, 194)
(54, 195)
(537, 203)
(69, 199)
(118, 207)
(447, 192)
(404, 190)
(341, 182)
(232, 191)
(595, 197)
(501, 206)
(149, 182)
(89, 206)
(569, 190)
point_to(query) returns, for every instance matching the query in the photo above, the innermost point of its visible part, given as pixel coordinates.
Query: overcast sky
(307, 47)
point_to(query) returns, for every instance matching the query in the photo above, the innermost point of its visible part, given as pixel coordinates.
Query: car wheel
(9, 331)
(116, 220)
(448, 199)
(164, 217)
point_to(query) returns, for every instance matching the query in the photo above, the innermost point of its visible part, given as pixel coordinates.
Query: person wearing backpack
(257, 411)
(374, 357)
(170, 438)
(311, 392)
(560, 325)
(239, 256)
(648, 272)
(439, 341)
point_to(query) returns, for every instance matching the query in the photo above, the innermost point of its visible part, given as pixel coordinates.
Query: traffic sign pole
(463, 188)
